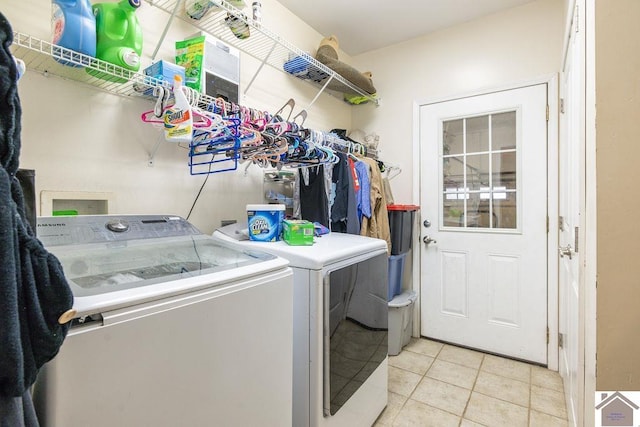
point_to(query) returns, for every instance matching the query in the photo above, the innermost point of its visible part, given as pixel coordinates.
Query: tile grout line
(530, 395)
(466, 406)
(421, 378)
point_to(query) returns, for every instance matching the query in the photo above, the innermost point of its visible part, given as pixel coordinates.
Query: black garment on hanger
(314, 206)
(340, 193)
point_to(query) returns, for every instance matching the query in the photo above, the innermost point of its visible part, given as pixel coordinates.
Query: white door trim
(588, 279)
(552, 206)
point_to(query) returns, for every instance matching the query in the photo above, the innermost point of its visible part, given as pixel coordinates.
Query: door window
(479, 172)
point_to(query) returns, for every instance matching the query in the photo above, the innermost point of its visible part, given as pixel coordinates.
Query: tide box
(265, 222)
(297, 232)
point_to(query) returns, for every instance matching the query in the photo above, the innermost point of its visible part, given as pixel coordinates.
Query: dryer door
(355, 328)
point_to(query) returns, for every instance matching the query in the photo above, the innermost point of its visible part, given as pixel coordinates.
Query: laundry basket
(400, 321)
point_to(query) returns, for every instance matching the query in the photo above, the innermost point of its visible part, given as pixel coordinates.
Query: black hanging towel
(33, 290)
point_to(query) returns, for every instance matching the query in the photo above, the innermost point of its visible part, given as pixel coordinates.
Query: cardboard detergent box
(265, 222)
(297, 232)
(211, 66)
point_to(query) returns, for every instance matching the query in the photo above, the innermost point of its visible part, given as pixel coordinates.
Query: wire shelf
(50, 59)
(262, 44)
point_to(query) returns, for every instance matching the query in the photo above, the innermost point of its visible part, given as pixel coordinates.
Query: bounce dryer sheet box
(265, 222)
(297, 232)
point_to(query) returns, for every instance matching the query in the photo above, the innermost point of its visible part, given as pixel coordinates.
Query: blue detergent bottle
(73, 26)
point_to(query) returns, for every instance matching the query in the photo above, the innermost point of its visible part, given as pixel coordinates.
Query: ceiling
(364, 25)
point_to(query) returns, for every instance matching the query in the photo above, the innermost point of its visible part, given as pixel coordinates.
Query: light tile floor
(440, 385)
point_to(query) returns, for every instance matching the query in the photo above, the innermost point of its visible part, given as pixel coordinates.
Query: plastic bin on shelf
(396, 272)
(400, 321)
(401, 220)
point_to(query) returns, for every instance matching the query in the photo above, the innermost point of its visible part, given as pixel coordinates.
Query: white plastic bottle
(178, 118)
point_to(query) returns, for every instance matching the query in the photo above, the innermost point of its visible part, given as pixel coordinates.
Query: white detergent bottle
(178, 118)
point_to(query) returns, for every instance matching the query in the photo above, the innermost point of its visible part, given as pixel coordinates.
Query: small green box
(297, 232)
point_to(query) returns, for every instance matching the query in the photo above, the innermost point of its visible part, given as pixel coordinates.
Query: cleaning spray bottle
(73, 26)
(178, 119)
(119, 35)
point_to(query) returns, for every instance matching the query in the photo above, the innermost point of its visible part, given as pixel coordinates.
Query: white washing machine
(340, 326)
(173, 328)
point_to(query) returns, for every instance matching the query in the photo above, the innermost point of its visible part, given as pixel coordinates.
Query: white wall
(515, 45)
(81, 139)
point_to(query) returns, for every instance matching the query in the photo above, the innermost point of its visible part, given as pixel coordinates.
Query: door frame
(551, 80)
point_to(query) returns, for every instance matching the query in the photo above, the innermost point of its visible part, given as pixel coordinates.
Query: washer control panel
(74, 230)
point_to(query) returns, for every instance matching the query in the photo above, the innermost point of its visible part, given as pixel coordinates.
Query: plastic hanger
(290, 103)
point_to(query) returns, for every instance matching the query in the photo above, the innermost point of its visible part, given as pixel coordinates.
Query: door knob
(565, 251)
(428, 240)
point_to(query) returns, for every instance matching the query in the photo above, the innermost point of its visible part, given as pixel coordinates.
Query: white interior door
(484, 194)
(571, 307)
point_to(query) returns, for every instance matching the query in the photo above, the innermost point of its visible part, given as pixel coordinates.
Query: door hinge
(547, 113)
(561, 340)
(561, 223)
(562, 105)
(576, 230)
(547, 335)
(577, 17)
(547, 223)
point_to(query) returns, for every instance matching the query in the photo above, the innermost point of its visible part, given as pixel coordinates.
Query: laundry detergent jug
(119, 36)
(73, 27)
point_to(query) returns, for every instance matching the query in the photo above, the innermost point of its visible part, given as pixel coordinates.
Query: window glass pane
(503, 131)
(478, 134)
(453, 172)
(452, 137)
(504, 170)
(453, 212)
(477, 171)
(478, 211)
(504, 209)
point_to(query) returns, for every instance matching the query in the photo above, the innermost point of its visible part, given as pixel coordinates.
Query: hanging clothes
(378, 225)
(314, 205)
(344, 209)
(363, 195)
(33, 289)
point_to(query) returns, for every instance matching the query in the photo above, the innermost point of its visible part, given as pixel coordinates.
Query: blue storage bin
(396, 271)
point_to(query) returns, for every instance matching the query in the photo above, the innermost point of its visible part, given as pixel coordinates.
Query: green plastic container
(119, 36)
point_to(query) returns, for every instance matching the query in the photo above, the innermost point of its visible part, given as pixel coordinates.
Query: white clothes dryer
(340, 326)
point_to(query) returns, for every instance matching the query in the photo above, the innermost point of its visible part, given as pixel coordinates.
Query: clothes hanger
(303, 114)
(162, 94)
(392, 171)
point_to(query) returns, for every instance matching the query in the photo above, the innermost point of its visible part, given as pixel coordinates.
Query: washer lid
(117, 261)
(94, 269)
